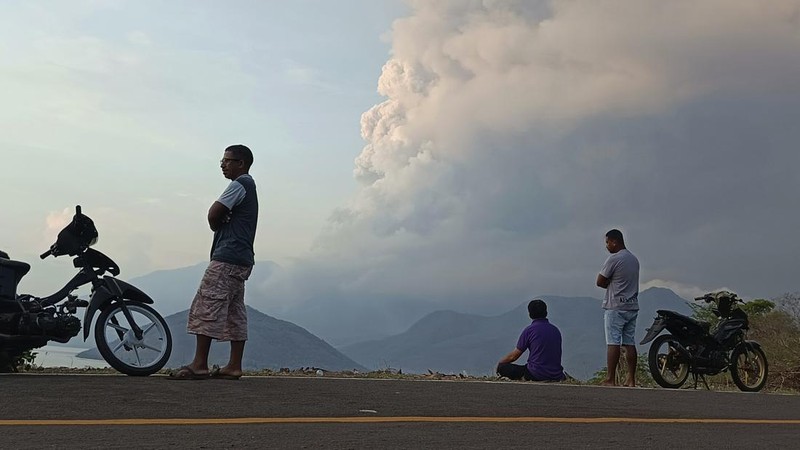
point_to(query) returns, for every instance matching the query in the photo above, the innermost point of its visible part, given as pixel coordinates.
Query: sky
(455, 151)
(125, 107)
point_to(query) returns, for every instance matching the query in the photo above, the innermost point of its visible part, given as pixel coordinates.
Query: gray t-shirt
(622, 269)
(233, 241)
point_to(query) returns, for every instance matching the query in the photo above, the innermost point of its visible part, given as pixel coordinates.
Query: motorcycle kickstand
(703, 377)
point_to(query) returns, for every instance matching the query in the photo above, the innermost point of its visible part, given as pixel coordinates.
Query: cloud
(54, 222)
(514, 134)
(66, 74)
(296, 73)
(139, 38)
(686, 292)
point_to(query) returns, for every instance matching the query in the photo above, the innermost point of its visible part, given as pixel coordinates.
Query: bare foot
(198, 370)
(224, 373)
(630, 385)
(188, 373)
(608, 383)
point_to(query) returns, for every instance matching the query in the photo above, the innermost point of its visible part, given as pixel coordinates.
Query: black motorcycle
(693, 347)
(130, 335)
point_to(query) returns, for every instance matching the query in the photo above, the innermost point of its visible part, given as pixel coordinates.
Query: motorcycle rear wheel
(668, 365)
(126, 353)
(749, 367)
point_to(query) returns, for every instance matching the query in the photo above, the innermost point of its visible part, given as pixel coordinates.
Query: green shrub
(643, 377)
(16, 361)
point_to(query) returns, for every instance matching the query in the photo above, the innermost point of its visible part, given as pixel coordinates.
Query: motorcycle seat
(10, 273)
(706, 326)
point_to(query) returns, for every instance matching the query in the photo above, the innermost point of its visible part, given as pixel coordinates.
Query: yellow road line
(398, 419)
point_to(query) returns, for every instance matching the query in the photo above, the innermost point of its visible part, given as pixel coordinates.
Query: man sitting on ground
(542, 340)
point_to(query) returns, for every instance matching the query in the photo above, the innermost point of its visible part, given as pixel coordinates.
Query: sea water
(57, 356)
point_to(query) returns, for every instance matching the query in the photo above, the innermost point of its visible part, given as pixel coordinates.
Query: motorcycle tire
(749, 367)
(670, 370)
(120, 348)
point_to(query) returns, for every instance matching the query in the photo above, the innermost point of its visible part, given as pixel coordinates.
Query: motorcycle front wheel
(119, 345)
(749, 367)
(669, 366)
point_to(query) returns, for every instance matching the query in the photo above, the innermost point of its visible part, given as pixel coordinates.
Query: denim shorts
(620, 327)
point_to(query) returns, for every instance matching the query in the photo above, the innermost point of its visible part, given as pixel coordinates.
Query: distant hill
(174, 289)
(344, 320)
(271, 344)
(449, 341)
(336, 318)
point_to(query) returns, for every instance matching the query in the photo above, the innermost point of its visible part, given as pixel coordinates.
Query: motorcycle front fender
(103, 294)
(658, 325)
(751, 344)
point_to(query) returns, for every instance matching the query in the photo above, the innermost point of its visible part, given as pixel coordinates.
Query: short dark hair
(616, 235)
(537, 309)
(241, 152)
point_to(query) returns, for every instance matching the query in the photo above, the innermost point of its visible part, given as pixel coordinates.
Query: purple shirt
(542, 340)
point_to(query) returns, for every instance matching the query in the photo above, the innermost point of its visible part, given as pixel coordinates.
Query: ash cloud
(514, 134)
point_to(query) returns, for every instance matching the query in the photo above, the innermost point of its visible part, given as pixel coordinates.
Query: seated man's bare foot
(608, 383)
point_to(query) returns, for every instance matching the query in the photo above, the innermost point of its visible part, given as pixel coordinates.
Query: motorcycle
(130, 335)
(693, 347)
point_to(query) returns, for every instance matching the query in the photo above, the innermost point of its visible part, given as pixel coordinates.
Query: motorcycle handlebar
(46, 254)
(709, 298)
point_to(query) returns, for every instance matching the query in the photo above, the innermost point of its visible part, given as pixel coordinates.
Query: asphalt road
(109, 411)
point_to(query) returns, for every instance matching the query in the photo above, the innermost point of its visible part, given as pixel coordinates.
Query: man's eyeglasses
(225, 161)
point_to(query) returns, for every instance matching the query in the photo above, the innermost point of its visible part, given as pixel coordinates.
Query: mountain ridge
(450, 341)
(272, 344)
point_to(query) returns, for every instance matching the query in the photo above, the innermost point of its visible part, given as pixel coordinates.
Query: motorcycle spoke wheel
(749, 367)
(120, 347)
(668, 365)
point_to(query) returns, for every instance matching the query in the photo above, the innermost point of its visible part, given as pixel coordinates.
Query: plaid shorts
(218, 309)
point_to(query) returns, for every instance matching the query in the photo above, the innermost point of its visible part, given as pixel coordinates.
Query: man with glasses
(218, 310)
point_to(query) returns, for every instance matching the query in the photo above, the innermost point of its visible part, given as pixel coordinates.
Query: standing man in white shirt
(218, 310)
(620, 278)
